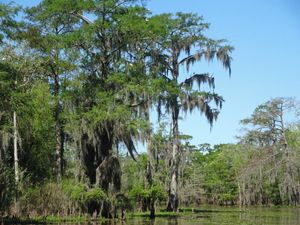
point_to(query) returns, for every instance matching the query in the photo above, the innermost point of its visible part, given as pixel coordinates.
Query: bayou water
(216, 216)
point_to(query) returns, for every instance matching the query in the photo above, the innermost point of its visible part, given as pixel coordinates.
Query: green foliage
(40, 124)
(8, 24)
(95, 195)
(139, 194)
(273, 192)
(82, 195)
(157, 192)
(7, 187)
(45, 199)
(51, 198)
(77, 192)
(220, 173)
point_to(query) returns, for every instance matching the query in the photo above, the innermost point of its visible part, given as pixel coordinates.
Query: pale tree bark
(149, 167)
(16, 164)
(175, 162)
(59, 146)
(59, 151)
(173, 201)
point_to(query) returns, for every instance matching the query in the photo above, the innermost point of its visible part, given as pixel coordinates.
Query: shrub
(95, 195)
(7, 188)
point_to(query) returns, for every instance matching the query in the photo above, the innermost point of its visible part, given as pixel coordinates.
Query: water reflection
(173, 221)
(219, 216)
(133, 221)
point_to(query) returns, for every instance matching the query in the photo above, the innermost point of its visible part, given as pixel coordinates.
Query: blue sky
(266, 60)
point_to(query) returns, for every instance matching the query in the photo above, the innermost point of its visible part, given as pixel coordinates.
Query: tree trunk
(150, 182)
(16, 164)
(152, 208)
(260, 194)
(59, 150)
(240, 193)
(149, 171)
(173, 188)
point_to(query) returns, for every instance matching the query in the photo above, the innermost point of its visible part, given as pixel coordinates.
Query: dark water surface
(224, 215)
(218, 216)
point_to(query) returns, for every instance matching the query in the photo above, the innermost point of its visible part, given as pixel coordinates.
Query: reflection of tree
(173, 221)
(152, 222)
(156, 221)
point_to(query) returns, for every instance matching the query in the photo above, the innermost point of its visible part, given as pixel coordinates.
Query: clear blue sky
(266, 37)
(266, 60)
